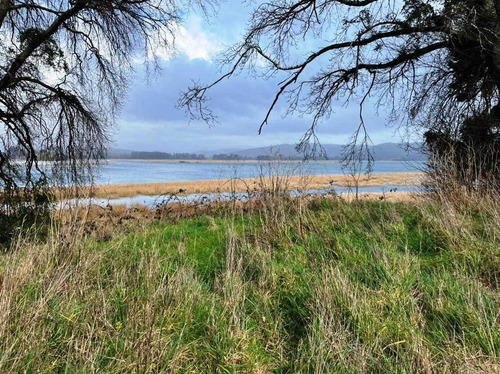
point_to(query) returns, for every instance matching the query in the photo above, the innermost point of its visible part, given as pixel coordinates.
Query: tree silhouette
(435, 64)
(63, 72)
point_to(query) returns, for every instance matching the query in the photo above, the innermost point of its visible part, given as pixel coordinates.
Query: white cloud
(190, 40)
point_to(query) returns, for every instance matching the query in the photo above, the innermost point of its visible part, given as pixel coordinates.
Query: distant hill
(226, 151)
(385, 151)
(381, 152)
(397, 152)
(119, 153)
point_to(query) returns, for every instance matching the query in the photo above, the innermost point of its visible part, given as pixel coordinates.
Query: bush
(26, 213)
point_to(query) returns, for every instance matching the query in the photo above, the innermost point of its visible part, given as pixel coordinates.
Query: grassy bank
(295, 286)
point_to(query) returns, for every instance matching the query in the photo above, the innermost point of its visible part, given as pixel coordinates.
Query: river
(126, 172)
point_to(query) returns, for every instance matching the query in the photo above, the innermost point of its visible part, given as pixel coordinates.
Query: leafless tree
(433, 63)
(64, 68)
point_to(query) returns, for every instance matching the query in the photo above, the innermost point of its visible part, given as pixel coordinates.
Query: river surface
(128, 172)
(125, 172)
(159, 200)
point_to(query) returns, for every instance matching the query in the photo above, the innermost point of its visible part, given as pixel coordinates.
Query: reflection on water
(132, 172)
(125, 172)
(154, 201)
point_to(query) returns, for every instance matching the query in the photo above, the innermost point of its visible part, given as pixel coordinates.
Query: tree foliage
(434, 63)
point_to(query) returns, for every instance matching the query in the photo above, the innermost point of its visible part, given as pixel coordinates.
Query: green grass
(321, 286)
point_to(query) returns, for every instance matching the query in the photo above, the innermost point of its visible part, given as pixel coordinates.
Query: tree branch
(34, 43)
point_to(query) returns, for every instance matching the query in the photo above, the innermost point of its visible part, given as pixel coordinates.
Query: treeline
(228, 157)
(276, 157)
(236, 157)
(143, 155)
(165, 156)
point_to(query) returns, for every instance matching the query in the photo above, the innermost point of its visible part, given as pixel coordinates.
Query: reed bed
(237, 184)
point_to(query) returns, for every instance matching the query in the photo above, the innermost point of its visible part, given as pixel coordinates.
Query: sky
(150, 121)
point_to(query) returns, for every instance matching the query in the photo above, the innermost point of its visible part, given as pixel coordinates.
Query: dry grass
(243, 185)
(104, 223)
(301, 285)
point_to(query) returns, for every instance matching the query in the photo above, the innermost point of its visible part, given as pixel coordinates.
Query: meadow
(283, 285)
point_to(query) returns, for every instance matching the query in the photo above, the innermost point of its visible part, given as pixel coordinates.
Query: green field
(298, 286)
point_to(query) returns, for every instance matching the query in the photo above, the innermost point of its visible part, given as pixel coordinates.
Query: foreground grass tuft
(300, 286)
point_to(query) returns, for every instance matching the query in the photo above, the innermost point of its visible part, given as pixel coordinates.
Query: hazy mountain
(210, 153)
(385, 151)
(285, 150)
(119, 153)
(395, 151)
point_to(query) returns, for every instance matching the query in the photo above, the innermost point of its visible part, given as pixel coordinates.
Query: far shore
(245, 185)
(249, 161)
(206, 161)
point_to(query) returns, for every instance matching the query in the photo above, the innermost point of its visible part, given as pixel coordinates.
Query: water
(155, 201)
(125, 172)
(128, 172)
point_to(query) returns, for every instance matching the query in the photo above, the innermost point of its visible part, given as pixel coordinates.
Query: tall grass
(299, 285)
(456, 166)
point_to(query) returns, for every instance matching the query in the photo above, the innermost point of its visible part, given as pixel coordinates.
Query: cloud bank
(150, 121)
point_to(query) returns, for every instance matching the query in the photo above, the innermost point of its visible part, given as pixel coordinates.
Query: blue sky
(150, 121)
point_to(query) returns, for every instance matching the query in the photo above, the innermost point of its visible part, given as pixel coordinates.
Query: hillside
(119, 153)
(385, 151)
(381, 152)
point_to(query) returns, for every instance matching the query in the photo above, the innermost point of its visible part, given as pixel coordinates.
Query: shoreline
(209, 161)
(183, 188)
(249, 161)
